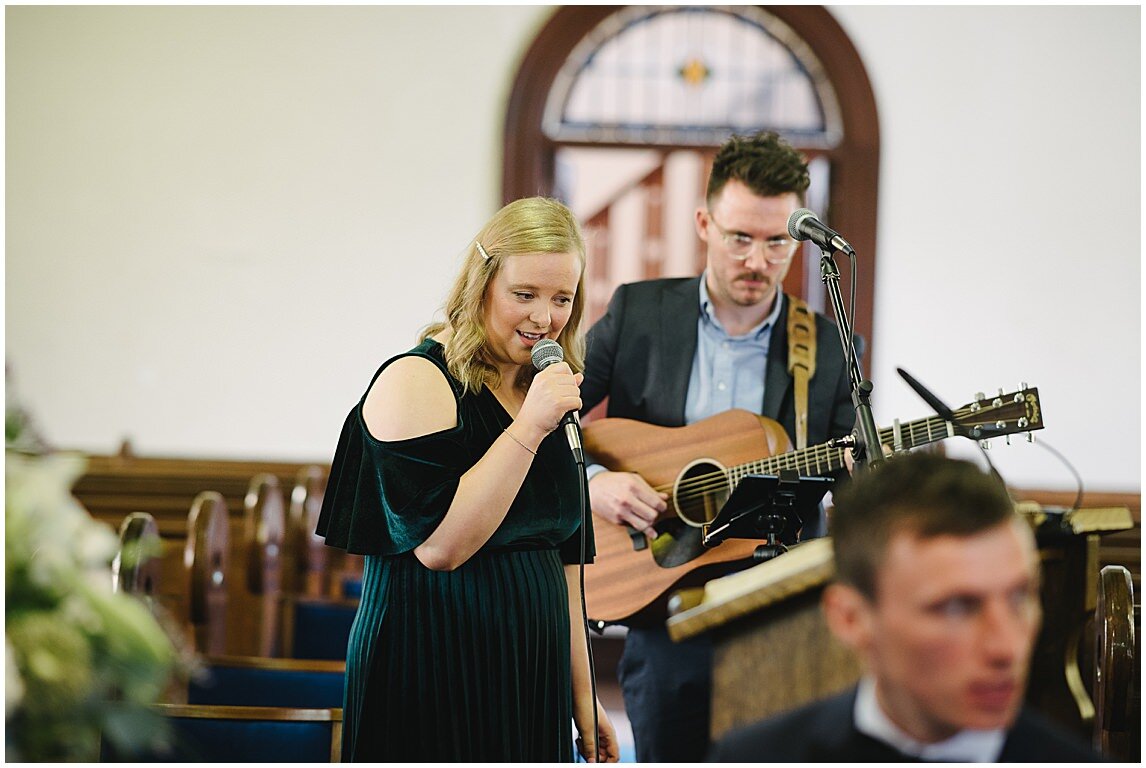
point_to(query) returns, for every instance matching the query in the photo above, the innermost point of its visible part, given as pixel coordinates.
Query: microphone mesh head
(794, 222)
(545, 353)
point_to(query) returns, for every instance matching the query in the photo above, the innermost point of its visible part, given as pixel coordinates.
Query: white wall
(221, 219)
(1009, 231)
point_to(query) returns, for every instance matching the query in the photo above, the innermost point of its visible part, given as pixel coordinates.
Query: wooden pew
(310, 568)
(136, 567)
(165, 488)
(1116, 686)
(264, 524)
(206, 554)
(113, 486)
(306, 558)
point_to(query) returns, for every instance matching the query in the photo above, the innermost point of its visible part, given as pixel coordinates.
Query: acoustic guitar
(699, 465)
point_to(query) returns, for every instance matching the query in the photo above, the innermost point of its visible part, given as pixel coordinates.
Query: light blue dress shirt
(727, 371)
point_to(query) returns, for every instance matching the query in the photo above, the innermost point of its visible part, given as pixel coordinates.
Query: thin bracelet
(523, 445)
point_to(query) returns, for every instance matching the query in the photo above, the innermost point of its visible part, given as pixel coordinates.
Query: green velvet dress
(463, 665)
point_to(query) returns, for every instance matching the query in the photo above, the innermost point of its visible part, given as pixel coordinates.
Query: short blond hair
(525, 226)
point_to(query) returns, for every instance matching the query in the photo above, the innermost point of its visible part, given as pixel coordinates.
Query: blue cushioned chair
(219, 734)
(318, 628)
(352, 586)
(269, 682)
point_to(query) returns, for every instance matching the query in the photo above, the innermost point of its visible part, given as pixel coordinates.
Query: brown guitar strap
(801, 361)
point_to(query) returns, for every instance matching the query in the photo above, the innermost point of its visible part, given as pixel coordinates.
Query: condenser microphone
(804, 225)
(545, 353)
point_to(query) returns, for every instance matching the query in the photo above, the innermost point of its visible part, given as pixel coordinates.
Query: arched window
(619, 110)
(690, 76)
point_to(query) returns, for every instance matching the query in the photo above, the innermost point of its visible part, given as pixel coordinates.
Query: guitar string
(719, 480)
(917, 430)
(832, 457)
(689, 490)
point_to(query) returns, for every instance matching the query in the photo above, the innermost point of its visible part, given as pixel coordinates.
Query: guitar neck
(825, 459)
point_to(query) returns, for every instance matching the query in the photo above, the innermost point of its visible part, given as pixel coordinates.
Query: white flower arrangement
(81, 661)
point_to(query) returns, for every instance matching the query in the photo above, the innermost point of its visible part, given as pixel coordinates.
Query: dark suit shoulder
(1033, 739)
(820, 731)
(646, 288)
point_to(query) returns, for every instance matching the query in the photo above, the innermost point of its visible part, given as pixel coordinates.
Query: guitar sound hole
(700, 491)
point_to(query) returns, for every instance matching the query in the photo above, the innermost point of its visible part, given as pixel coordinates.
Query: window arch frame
(528, 154)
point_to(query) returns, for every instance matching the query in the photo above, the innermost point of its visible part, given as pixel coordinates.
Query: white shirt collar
(967, 746)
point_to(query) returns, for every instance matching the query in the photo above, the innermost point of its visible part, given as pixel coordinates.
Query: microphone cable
(851, 311)
(1073, 471)
(583, 484)
(545, 353)
(1066, 462)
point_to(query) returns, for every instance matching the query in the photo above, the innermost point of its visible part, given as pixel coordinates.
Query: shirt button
(721, 386)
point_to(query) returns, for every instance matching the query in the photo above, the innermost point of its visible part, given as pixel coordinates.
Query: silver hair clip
(481, 250)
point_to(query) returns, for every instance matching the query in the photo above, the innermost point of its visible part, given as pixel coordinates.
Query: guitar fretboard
(825, 459)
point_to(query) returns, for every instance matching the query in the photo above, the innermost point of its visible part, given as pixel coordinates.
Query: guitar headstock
(1004, 414)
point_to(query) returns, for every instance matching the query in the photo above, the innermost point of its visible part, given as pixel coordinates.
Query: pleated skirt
(460, 666)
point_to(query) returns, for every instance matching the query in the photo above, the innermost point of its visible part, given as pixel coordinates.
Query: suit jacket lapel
(680, 311)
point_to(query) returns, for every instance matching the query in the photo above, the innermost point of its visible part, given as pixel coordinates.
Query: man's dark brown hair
(921, 493)
(764, 162)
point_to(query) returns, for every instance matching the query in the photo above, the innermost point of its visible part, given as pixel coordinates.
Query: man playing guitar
(672, 352)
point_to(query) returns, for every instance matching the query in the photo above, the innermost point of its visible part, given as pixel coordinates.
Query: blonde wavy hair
(527, 226)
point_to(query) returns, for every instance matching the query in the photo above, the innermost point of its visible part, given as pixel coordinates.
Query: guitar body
(631, 577)
(701, 463)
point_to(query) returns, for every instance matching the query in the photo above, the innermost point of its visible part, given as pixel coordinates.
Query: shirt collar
(763, 328)
(967, 746)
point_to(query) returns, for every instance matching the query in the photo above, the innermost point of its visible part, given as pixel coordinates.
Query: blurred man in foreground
(937, 593)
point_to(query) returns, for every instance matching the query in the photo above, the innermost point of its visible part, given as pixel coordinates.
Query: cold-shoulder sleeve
(386, 498)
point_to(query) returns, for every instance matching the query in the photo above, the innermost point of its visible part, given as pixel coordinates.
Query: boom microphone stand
(864, 441)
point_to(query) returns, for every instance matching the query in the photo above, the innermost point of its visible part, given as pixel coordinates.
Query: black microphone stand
(866, 448)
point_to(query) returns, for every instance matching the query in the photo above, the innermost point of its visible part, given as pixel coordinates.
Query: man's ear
(701, 222)
(849, 616)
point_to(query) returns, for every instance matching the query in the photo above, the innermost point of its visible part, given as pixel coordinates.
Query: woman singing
(469, 643)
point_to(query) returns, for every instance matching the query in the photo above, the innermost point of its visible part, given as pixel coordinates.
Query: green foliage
(81, 660)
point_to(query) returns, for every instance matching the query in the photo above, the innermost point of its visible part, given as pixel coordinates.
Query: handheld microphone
(545, 353)
(804, 225)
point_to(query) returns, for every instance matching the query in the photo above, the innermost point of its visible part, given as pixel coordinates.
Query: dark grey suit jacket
(825, 732)
(640, 357)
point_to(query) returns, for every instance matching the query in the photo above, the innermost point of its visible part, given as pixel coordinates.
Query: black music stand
(769, 507)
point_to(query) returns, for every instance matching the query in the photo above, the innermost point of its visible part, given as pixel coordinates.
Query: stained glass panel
(691, 76)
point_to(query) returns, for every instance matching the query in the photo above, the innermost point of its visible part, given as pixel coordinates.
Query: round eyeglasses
(777, 250)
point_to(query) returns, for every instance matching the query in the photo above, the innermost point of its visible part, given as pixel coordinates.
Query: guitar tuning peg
(1030, 437)
(1008, 439)
(985, 445)
(1023, 386)
(980, 396)
(1000, 391)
